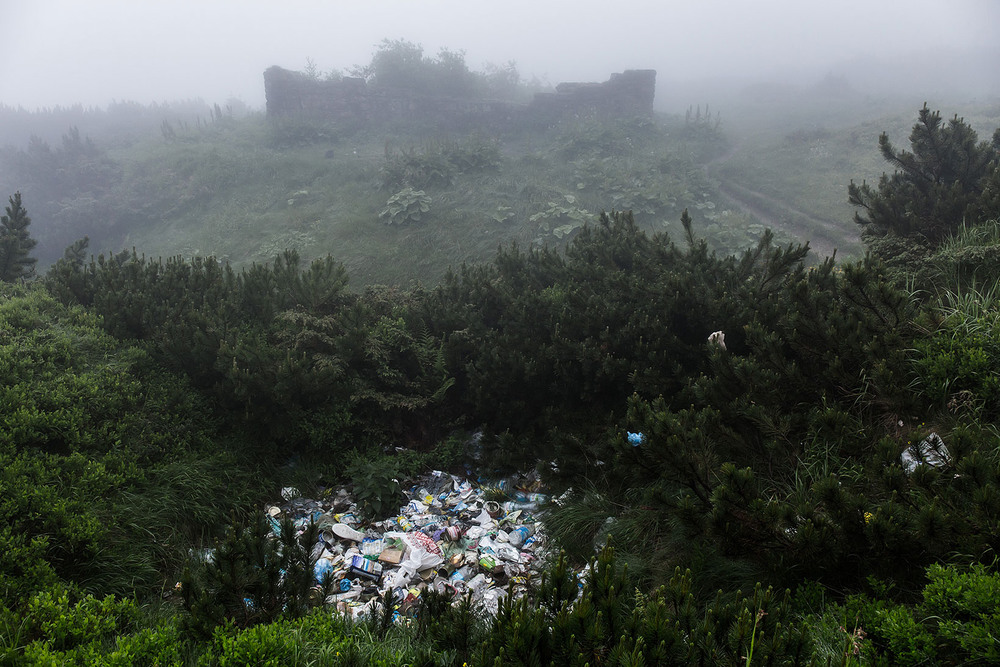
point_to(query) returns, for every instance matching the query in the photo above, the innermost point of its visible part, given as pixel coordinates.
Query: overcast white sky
(95, 51)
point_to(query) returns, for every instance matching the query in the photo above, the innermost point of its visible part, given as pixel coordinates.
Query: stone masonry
(351, 100)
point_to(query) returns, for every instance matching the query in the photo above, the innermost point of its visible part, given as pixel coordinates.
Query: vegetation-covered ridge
(393, 205)
(394, 201)
(150, 405)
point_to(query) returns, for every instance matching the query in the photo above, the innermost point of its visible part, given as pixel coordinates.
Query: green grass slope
(245, 189)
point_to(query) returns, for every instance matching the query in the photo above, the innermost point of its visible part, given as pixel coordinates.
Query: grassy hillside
(245, 190)
(793, 150)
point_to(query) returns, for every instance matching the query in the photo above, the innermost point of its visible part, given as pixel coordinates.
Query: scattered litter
(345, 532)
(717, 338)
(930, 451)
(635, 439)
(447, 537)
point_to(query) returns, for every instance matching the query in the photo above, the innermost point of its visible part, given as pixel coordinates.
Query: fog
(64, 52)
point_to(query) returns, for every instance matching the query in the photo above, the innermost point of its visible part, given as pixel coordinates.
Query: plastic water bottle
(518, 536)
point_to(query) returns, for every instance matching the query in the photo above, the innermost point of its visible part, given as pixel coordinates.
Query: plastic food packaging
(368, 569)
(517, 536)
(371, 547)
(446, 537)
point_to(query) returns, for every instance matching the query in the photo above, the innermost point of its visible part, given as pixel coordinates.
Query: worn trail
(823, 234)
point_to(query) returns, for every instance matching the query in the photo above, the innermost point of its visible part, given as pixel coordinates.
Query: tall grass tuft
(971, 310)
(968, 257)
(179, 505)
(985, 234)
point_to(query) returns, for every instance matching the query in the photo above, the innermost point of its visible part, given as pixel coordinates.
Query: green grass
(245, 190)
(795, 164)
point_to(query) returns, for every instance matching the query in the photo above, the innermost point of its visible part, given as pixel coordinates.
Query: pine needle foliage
(947, 179)
(607, 620)
(286, 349)
(16, 242)
(253, 577)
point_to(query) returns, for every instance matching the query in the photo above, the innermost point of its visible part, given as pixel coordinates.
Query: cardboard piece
(391, 556)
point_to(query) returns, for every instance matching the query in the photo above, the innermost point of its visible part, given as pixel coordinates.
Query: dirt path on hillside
(822, 234)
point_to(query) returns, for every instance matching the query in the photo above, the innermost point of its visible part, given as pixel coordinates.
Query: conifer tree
(65, 278)
(935, 189)
(16, 243)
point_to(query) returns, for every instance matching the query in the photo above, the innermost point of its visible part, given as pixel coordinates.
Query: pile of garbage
(448, 537)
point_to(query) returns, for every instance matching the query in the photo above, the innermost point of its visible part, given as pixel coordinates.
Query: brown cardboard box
(391, 556)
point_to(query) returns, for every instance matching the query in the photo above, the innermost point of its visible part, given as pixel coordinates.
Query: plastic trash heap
(448, 537)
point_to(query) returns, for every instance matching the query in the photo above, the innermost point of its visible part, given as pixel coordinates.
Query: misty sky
(61, 52)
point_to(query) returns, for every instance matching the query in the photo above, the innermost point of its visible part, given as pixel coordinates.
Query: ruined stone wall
(351, 100)
(629, 93)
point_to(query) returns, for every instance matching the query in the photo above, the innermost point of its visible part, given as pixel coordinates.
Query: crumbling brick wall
(629, 93)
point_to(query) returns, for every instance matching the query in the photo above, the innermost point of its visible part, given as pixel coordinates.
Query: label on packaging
(363, 567)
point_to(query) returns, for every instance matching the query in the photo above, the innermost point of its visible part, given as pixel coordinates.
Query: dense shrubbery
(774, 459)
(283, 349)
(611, 620)
(111, 470)
(771, 462)
(88, 425)
(402, 64)
(437, 165)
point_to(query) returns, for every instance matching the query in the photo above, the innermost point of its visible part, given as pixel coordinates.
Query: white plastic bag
(930, 451)
(421, 551)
